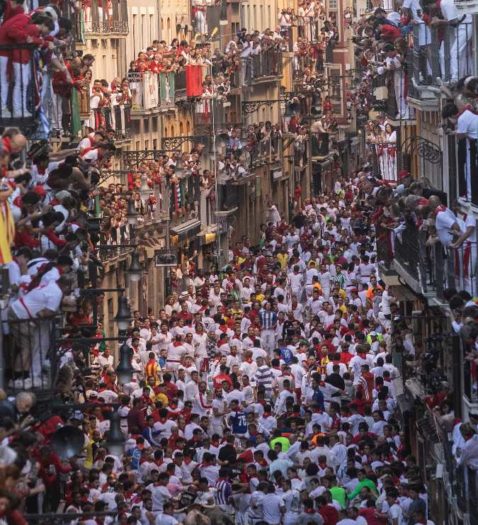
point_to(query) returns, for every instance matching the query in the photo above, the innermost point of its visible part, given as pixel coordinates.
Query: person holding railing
(469, 454)
(22, 29)
(31, 336)
(458, 30)
(465, 123)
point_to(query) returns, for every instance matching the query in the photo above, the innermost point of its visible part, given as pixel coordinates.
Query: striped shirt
(223, 492)
(264, 377)
(268, 319)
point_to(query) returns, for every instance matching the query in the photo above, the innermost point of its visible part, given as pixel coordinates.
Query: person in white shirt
(394, 514)
(160, 493)
(33, 338)
(469, 453)
(272, 506)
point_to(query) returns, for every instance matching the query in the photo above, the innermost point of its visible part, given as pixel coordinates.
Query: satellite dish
(68, 441)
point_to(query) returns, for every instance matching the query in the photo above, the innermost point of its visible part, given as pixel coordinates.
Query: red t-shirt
(330, 515)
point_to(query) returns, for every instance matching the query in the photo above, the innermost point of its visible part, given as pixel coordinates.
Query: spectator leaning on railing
(44, 227)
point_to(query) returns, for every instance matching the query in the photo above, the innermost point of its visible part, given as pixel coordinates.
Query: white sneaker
(27, 384)
(5, 112)
(18, 384)
(38, 382)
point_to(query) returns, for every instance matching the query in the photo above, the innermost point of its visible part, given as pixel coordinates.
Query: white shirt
(166, 519)
(467, 124)
(449, 10)
(444, 221)
(271, 507)
(40, 298)
(159, 495)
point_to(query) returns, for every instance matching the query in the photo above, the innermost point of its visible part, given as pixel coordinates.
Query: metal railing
(434, 266)
(425, 264)
(466, 165)
(68, 518)
(31, 358)
(152, 90)
(180, 85)
(115, 118)
(105, 18)
(265, 151)
(265, 64)
(17, 86)
(466, 487)
(440, 53)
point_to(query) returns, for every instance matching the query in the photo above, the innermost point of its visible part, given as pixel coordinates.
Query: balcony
(96, 21)
(17, 95)
(266, 152)
(261, 68)
(429, 268)
(439, 55)
(391, 98)
(153, 92)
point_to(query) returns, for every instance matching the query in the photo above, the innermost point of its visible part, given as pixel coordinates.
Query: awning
(186, 230)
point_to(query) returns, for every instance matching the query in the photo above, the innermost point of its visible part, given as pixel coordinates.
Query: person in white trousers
(459, 32)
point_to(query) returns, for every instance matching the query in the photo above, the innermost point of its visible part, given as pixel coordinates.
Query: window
(155, 124)
(146, 125)
(155, 144)
(146, 144)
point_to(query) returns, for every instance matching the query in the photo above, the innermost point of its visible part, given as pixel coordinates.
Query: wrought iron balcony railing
(105, 19)
(264, 66)
(19, 100)
(153, 91)
(439, 54)
(431, 267)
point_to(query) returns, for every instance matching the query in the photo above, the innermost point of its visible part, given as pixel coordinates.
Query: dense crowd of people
(261, 394)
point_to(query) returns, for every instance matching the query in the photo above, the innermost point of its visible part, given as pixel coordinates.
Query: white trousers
(22, 75)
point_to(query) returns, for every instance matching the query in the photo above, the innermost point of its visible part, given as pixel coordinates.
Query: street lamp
(123, 317)
(116, 440)
(124, 370)
(132, 214)
(135, 269)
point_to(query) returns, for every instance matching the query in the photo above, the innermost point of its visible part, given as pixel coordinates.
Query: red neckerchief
(440, 209)
(7, 145)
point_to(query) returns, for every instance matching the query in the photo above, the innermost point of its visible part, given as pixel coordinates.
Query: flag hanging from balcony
(7, 232)
(166, 88)
(194, 81)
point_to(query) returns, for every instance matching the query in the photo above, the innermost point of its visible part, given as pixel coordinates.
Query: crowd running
(264, 393)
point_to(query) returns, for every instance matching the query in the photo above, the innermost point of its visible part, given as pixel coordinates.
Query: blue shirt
(238, 422)
(318, 398)
(135, 458)
(286, 355)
